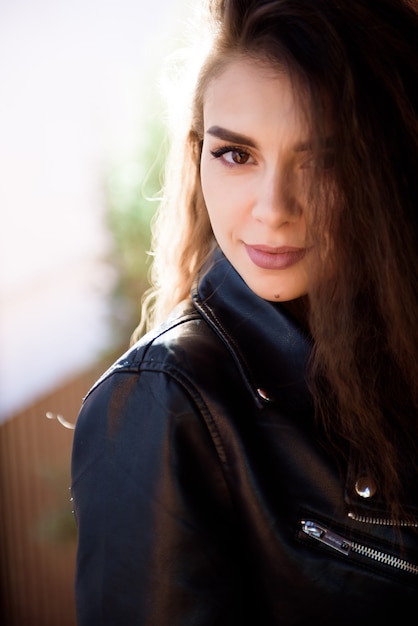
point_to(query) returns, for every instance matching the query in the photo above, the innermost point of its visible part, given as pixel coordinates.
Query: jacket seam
(130, 361)
(213, 322)
(199, 402)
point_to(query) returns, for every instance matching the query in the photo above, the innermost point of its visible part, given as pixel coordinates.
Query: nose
(276, 202)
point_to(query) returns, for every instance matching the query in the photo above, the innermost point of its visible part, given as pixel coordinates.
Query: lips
(269, 258)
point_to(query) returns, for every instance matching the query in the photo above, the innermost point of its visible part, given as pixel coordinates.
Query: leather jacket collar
(271, 351)
(269, 346)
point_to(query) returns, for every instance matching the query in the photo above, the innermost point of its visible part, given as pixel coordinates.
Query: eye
(232, 155)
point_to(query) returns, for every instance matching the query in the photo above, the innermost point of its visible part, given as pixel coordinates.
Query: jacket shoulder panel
(185, 348)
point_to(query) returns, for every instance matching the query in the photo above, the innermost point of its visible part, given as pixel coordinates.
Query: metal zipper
(344, 546)
(381, 521)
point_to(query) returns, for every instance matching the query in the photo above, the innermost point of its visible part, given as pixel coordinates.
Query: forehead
(252, 90)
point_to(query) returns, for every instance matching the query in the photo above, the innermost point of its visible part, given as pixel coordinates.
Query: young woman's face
(255, 161)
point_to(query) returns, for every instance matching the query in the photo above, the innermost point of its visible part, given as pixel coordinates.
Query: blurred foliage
(132, 192)
(57, 523)
(132, 188)
(57, 526)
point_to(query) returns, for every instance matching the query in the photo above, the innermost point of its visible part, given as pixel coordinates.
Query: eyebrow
(238, 138)
(229, 135)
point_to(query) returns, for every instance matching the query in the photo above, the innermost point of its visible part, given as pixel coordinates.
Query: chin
(274, 293)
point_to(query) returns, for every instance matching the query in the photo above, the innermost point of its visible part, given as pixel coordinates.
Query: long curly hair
(354, 62)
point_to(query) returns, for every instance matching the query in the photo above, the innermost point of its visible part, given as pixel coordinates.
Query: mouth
(270, 258)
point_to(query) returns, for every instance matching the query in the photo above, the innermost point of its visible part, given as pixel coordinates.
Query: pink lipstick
(269, 258)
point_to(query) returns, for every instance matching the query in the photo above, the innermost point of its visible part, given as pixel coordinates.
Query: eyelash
(217, 154)
(327, 159)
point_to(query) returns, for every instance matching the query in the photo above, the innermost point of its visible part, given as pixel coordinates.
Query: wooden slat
(37, 529)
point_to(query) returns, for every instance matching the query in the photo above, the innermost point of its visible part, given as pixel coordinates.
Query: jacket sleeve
(156, 539)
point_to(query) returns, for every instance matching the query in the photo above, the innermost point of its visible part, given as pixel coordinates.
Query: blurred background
(82, 147)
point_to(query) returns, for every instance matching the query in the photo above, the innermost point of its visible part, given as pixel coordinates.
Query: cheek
(206, 179)
(214, 190)
(226, 196)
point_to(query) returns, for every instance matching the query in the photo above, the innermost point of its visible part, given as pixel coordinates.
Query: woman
(253, 458)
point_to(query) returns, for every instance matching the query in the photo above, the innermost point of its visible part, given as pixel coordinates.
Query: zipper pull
(330, 539)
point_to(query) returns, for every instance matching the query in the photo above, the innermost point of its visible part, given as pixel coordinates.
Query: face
(255, 161)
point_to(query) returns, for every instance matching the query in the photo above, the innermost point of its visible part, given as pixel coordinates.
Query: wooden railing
(37, 528)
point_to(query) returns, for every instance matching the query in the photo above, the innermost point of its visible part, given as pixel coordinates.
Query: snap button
(365, 487)
(264, 395)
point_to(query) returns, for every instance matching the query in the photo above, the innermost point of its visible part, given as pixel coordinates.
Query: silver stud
(365, 487)
(264, 395)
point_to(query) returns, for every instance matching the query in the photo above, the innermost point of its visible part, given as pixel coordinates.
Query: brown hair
(356, 60)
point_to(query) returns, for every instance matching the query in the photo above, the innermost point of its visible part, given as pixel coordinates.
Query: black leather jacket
(203, 492)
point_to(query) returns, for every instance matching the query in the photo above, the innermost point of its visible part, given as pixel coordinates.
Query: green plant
(132, 191)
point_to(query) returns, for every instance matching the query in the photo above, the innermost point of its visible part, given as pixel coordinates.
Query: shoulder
(168, 382)
(184, 347)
